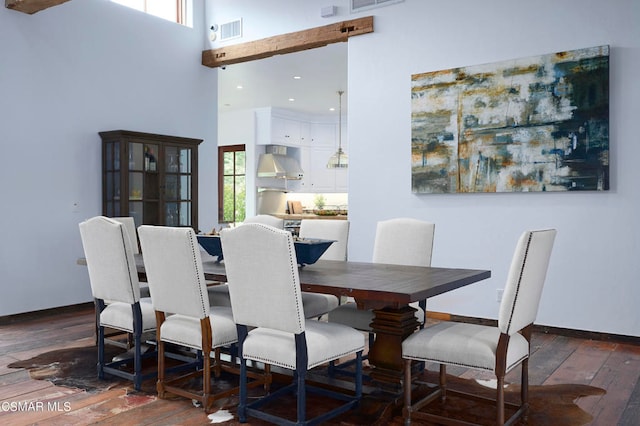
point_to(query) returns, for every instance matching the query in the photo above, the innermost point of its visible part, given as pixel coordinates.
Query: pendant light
(339, 160)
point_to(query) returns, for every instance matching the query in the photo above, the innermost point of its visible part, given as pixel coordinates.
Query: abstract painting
(526, 125)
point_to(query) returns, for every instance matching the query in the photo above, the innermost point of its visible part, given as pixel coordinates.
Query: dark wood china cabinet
(152, 178)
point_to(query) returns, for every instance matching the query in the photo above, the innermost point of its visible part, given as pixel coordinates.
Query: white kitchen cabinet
(278, 127)
(313, 160)
(305, 133)
(342, 180)
(290, 132)
(323, 134)
(285, 131)
(275, 129)
(317, 177)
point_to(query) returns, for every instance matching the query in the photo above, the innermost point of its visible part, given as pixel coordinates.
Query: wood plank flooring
(556, 359)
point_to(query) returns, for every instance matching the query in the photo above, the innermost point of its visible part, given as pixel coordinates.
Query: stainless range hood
(275, 163)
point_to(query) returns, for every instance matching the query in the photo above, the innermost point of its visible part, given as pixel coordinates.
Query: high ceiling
(270, 81)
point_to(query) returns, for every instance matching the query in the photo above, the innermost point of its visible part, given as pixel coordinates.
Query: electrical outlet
(499, 292)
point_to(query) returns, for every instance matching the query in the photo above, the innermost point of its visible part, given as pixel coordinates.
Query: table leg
(391, 327)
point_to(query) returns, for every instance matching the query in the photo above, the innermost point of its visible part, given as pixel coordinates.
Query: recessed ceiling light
(291, 99)
(297, 77)
(332, 109)
(239, 86)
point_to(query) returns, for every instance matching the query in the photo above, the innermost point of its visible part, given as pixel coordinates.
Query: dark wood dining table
(387, 289)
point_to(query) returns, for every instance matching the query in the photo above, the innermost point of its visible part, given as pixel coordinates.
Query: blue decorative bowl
(211, 244)
(308, 250)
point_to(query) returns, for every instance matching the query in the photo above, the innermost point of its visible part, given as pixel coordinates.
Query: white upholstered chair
(130, 226)
(219, 294)
(184, 317)
(112, 272)
(315, 304)
(487, 348)
(327, 229)
(267, 220)
(264, 286)
(400, 241)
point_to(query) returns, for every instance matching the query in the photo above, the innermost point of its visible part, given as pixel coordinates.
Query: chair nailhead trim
(522, 267)
(123, 236)
(199, 273)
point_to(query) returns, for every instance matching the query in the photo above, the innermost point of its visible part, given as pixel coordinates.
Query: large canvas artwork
(532, 124)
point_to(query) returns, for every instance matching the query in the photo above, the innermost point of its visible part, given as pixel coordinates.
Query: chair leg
(206, 379)
(160, 382)
(99, 307)
(233, 353)
(301, 394)
(423, 306)
(217, 369)
(137, 361)
(500, 400)
(242, 405)
(267, 378)
(100, 352)
(332, 369)
(359, 374)
(443, 382)
(406, 413)
(524, 387)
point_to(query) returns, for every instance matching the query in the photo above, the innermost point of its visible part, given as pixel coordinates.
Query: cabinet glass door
(144, 186)
(112, 178)
(177, 193)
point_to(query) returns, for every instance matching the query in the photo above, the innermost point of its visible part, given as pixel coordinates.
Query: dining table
(386, 289)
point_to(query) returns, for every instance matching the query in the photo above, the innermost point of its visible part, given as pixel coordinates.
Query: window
(171, 10)
(358, 5)
(232, 189)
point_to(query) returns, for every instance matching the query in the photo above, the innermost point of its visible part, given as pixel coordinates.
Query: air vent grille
(358, 5)
(231, 30)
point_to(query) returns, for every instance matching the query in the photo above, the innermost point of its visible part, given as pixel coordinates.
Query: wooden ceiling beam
(31, 6)
(287, 43)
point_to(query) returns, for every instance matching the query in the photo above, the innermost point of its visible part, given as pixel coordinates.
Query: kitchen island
(300, 216)
(292, 221)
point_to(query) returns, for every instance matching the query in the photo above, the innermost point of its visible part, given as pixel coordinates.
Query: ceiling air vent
(358, 5)
(231, 30)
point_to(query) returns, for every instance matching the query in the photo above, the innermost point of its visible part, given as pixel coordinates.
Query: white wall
(67, 73)
(592, 280)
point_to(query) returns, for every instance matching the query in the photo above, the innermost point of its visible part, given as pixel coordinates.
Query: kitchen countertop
(310, 216)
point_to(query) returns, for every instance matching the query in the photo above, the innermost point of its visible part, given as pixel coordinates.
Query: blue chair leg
(242, 406)
(332, 369)
(302, 395)
(99, 307)
(359, 375)
(137, 362)
(100, 352)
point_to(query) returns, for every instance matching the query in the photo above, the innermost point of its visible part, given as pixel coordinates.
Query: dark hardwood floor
(556, 359)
